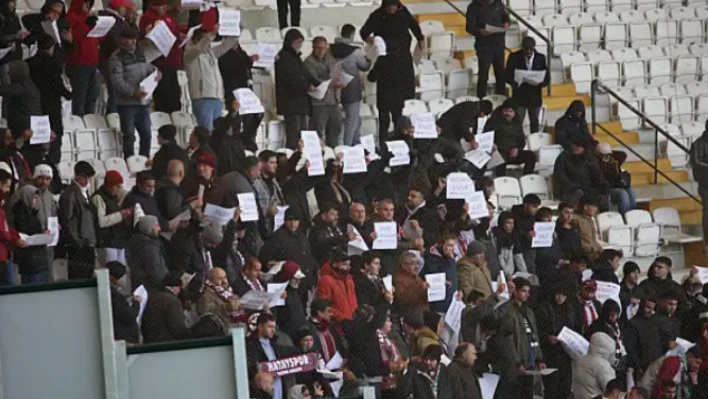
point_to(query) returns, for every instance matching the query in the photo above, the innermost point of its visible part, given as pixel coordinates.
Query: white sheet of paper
(495, 29)
(388, 282)
(453, 316)
(53, 227)
(574, 344)
(219, 215)
(424, 126)
(320, 90)
(229, 22)
(143, 294)
(33, 50)
(488, 384)
(280, 217)
(541, 372)
(587, 274)
(369, 143)
(36, 239)
(162, 37)
(544, 234)
(400, 151)
(496, 160)
(335, 363)
(313, 152)
(478, 158)
(485, 141)
(357, 246)
(480, 124)
(436, 291)
(523, 75)
(41, 129)
(276, 290)
(459, 186)
(354, 160)
(149, 84)
(702, 274)
(185, 215)
(190, 33)
(248, 101)
(607, 291)
(502, 280)
(255, 300)
(266, 55)
(103, 26)
(51, 28)
(386, 235)
(5, 51)
(477, 205)
(346, 78)
(249, 207)
(192, 4)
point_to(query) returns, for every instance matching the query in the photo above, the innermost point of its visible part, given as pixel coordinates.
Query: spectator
(270, 195)
(326, 115)
(301, 391)
(292, 316)
(249, 278)
(508, 245)
(675, 368)
(588, 227)
(163, 320)
(206, 87)
(10, 34)
(283, 6)
(292, 84)
(699, 163)
(143, 194)
(169, 150)
(262, 347)
(262, 386)
(48, 207)
(82, 60)
(9, 237)
(326, 239)
(592, 372)
(420, 380)
(353, 61)
(568, 231)
(606, 266)
(420, 215)
(659, 280)
(668, 317)
(125, 312)
(213, 189)
(330, 188)
(358, 220)
(527, 93)
(111, 42)
(370, 289)
(524, 221)
(610, 163)
(473, 274)
(628, 288)
(327, 342)
(587, 306)
(613, 390)
(217, 298)
(572, 127)
(458, 380)
(146, 255)
(643, 339)
(128, 68)
(459, 123)
(667, 390)
(198, 141)
(482, 14)
(112, 229)
(608, 323)
(23, 100)
(337, 285)
(440, 258)
(520, 324)
(509, 138)
(577, 174)
(32, 261)
(411, 290)
(77, 218)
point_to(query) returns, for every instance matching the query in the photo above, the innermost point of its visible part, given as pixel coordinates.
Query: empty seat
(610, 73)
(458, 83)
(571, 6)
(563, 39)
(698, 49)
(569, 58)
(580, 18)
(655, 14)
(622, 54)
(594, 6)
(671, 89)
(691, 31)
(431, 26)
(113, 121)
(634, 72)
(95, 121)
(697, 88)
(268, 34)
(692, 129)
(620, 5)
(72, 123)
(614, 232)
(547, 155)
(646, 4)
(686, 69)
(538, 140)
(676, 50)
(666, 32)
(107, 143)
(466, 98)
(680, 13)
(646, 91)
(536, 184)
(605, 17)
(136, 163)
(597, 56)
(98, 166)
(521, 7)
(615, 35)
(701, 9)
(117, 164)
(67, 147)
(629, 16)
(448, 64)
(647, 234)
(677, 156)
(326, 31)
(640, 34)
(440, 105)
(508, 191)
(276, 135)
(582, 74)
(656, 108)
(432, 85)
(66, 171)
(85, 144)
(628, 119)
(670, 222)
(159, 119)
(427, 66)
(650, 51)
(681, 109)
(554, 20)
(545, 7)
(414, 107)
(441, 44)
(660, 70)
(589, 37)
(704, 67)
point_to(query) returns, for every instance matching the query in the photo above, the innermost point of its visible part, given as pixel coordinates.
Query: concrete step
(561, 103)
(603, 114)
(626, 137)
(690, 211)
(561, 90)
(613, 127)
(665, 191)
(663, 165)
(646, 178)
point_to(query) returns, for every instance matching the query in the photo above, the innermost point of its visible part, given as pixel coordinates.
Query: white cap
(43, 170)
(299, 274)
(4, 166)
(603, 148)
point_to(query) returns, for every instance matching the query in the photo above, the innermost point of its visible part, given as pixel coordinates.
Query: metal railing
(597, 84)
(521, 20)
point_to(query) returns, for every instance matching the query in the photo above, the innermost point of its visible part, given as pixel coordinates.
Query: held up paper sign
(162, 37)
(386, 235)
(266, 55)
(249, 208)
(459, 186)
(424, 126)
(229, 22)
(41, 131)
(103, 26)
(248, 101)
(574, 344)
(436, 291)
(544, 234)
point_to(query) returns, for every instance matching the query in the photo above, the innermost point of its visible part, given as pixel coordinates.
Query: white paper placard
(386, 235)
(369, 143)
(143, 294)
(219, 215)
(354, 160)
(459, 186)
(41, 129)
(313, 152)
(229, 22)
(436, 291)
(495, 29)
(477, 205)
(266, 55)
(607, 291)
(574, 344)
(103, 26)
(388, 282)
(453, 316)
(526, 76)
(248, 207)
(36, 239)
(478, 158)
(400, 151)
(485, 141)
(424, 126)
(357, 246)
(276, 290)
(190, 33)
(488, 385)
(248, 101)
(162, 37)
(279, 219)
(481, 122)
(544, 234)
(53, 227)
(149, 84)
(320, 90)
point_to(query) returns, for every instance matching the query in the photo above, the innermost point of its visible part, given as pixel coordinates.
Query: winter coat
(226, 256)
(291, 317)
(174, 59)
(146, 258)
(287, 245)
(588, 237)
(111, 42)
(85, 51)
(170, 201)
(8, 236)
(392, 86)
(352, 61)
(112, 231)
(125, 325)
(269, 193)
(31, 259)
(513, 325)
(163, 320)
(459, 122)
(603, 271)
(127, 70)
(295, 186)
(511, 259)
(411, 291)
(291, 83)
(320, 71)
(551, 319)
(699, 160)
(458, 381)
(340, 290)
(77, 218)
(480, 14)
(370, 291)
(255, 355)
(392, 28)
(169, 151)
(526, 95)
(577, 172)
(612, 169)
(21, 97)
(415, 384)
(435, 262)
(46, 72)
(508, 134)
(592, 372)
(569, 126)
(326, 240)
(235, 67)
(569, 239)
(9, 27)
(201, 62)
(473, 278)
(149, 205)
(643, 339)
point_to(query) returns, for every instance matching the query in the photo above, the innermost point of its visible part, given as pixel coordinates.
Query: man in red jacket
(167, 94)
(337, 285)
(82, 61)
(9, 237)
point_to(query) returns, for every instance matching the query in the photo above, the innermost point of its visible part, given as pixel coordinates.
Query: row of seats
(566, 7)
(27, 6)
(626, 16)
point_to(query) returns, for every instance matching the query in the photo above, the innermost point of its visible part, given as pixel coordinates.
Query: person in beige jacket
(472, 271)
(588, 228)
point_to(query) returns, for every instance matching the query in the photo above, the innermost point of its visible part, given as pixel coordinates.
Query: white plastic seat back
(687, 67)
(630, 121)
(98, 166)
(72, 123)
(650, 51)
(680, 13)
(646, 4)
(563, 39)
(160, 119)
(681, 108)
(634, 73)
(547, 155)
(545, 7)
(598, 56)
(85, 144)
(326, 31)
(432, 85)
(582, 74)
(113, 121)
(431, 26)
(95, 121)
(692, 129)
(691, 31)
(268, 34)
(276, 135)
(458, 83)
(676, 50)
(640, 34)
(595, 6)
(623, 54)
(580, 18)
(117, 164)
(466, 98)
(629, 16)
(539, 139)
(646, 91)
(615, 35)
(440, 105)
(136, 163)
(571, 6)
(698, 49)
(522, 7)
(508, 191)
(666, 32)
(182, 119)
(620, 237)
(656, 108)
(678, 157)
(414, 107)
(66, 171)
(446, 65)
(606, 220)
(610, 73)
(656, 14)
(554, 20)
(107, 143)
(661, 70)
(590, 37)
(672, 89)
(534, 184)
(637, 217)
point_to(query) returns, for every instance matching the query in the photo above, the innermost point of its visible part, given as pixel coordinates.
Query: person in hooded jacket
(353, 61)
(291, 317)
(337, 285)
(11, 33)
(606, 265)
(111, 42)
(291, 87)
(592, 372)
(82, 60)
(32, 261)
(509, 138)
(295, 184)
(169, 151)
(145, 254)
(609, 323)
(9, 237)
(508, 245)
(576, 174)
(573, 125)
(52, 12)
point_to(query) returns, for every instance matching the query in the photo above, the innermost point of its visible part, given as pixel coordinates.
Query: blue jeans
(36, 278)
(84, 88)
(626, 200)
(7, 273)
(206, 110)
(135, 117)
(352, 123)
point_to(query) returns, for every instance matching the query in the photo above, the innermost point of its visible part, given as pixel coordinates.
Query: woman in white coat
(592, 372)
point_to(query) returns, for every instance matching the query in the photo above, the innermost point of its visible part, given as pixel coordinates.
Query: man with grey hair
(326, 116)
(146, 255)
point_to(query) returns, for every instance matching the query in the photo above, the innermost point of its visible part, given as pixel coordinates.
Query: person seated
(510, 139)
(217, 297)
(576, 174)
(572, 125)
(588, 227)
(610, 163)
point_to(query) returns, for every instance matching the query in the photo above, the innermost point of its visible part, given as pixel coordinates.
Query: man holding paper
(509, 138)
(326, 116)
(484, 17)
(527, 63)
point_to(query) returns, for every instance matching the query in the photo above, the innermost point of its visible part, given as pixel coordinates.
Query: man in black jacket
(125, 325)
(163, 320)
(699, 163)
(527, 93)
(576, 175)
(77, 218)
(291, 87)
(262, 347)
(573, 126)
(481, 15)
(169, 150)
(419, 381)
(144, 194)
(325, 236)
(459, 380)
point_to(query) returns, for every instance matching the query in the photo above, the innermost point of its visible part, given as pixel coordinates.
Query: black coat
(235, 67)
(295, 186)
(32, 259)
(526, 95)
(369, 292)
(287, 245)
(9, 27)
(603, 271)
(392, 28)
(226, 256)
(479, 15)
(573, 172)
(255, 355)
(458, 381)
(364, 348)
(291, 83)
(147, 203)
(291, 317)
(326, 240)
(111, 42)
(146, 258)
(569, 126)
(125, 325)
(643, 339)
(393, 84)
(551, 320)
(22, 98)
(167, 152)
(163, 320)
(415, 384)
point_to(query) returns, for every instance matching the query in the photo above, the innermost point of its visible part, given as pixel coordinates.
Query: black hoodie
(569, 126)
(291, 79)
(9, 27)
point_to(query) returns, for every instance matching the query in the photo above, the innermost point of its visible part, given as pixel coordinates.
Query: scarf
(329, 347)
(389, 353)
(589, 313)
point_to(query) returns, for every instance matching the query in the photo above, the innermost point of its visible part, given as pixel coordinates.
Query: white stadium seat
(670, 222)
(508, 191)
(159, 119)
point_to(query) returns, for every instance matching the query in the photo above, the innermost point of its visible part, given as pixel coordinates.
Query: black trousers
(526, 158)
(534, 114)
(485, 59)
(82, 262)
(294, 124)
(283, 6)
(167, 95)
(386, 115)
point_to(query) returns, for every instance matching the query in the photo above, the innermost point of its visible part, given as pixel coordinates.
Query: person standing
(82, 60)
(481, 15)
(9, 237)
(10, 33)
(459, 380)
(294, 6)
(128, 68)
(32, 261)
(112, 231)
(527, 93)
(163, 319)
(291, 87)
(42, 179)
(77, 218)
(699, 164)
(326, 116)
(353, 61)
(111, 43)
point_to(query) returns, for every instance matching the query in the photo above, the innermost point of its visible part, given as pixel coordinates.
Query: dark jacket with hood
(25, 219)
(287, 245)
(291, 79)
(577, 172)
(392, 27)
(9, 27)
(33, 23)
(569, 126)
(46, 72)
(458, 381)
(22, 97)
(295, 185)
(481, 13)
(436, 262)
(699, 160)
(508, 134)
(353, 62)
(393, 84)
(326, 240)
(235, 67)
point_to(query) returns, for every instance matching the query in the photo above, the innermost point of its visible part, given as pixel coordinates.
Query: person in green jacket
(509, 138)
